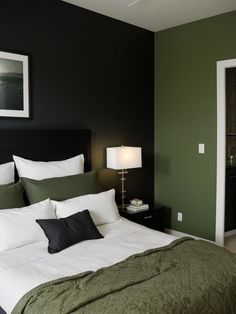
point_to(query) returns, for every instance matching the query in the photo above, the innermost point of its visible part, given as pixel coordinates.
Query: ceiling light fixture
(133, 3)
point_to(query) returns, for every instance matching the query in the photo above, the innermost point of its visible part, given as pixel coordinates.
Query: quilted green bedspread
(187, 276)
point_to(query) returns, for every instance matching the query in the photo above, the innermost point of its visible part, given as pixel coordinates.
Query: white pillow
(39, 170)
(18, 226)
(102, 207)
(7, 173)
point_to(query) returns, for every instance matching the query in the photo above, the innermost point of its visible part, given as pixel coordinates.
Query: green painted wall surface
(185, 115)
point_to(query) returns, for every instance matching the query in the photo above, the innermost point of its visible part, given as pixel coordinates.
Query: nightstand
(154, 218)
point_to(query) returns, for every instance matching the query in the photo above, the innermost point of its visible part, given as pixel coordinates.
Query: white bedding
(25, 268)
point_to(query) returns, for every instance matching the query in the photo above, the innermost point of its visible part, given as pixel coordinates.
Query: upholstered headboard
(45, 145)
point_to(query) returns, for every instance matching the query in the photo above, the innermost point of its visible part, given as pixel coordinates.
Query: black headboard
(45, 145)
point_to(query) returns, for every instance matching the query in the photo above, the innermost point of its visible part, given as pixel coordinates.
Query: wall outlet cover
(201, 148)
(179, 216)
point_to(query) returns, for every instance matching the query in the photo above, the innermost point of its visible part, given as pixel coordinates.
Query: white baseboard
(182, 234)
(230, 233)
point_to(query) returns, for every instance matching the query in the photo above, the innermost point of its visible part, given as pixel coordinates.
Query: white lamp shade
(124, 157)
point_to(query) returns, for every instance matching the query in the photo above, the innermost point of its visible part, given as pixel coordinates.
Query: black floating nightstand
(154, 217)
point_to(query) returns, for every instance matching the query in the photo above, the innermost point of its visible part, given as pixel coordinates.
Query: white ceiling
(156, 15)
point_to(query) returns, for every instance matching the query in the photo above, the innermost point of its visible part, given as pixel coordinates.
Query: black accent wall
(86, 71)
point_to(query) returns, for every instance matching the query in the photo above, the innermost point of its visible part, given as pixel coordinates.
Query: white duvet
(27, 267)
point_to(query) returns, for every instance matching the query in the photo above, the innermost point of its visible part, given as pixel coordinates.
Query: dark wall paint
(87, 71)
(185, 115)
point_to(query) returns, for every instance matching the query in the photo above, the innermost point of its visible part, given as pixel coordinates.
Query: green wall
(185, 115)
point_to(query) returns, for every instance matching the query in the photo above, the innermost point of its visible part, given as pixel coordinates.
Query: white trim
(221, 135)
(182, 234)
(230, 233)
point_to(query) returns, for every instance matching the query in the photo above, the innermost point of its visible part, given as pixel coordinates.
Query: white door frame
(221, 148)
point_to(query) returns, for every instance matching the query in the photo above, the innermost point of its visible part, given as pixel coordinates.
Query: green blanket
(186, 276)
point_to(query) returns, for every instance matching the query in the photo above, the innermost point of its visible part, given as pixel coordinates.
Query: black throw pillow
(65, 232)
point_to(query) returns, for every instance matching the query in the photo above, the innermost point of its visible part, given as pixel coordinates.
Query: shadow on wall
(162, 164)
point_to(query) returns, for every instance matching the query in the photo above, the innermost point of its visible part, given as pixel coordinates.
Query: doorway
(225, 162)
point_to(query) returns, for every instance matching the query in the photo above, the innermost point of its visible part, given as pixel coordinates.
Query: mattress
(24, 268)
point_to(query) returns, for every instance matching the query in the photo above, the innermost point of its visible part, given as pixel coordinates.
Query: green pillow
(61, 188)
(11, 196)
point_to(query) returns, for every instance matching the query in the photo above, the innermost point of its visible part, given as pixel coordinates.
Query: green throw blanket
(186, 276)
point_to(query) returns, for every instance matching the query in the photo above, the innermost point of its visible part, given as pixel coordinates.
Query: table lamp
(123, 158)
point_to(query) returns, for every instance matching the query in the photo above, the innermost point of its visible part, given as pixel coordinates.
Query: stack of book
(137, 208)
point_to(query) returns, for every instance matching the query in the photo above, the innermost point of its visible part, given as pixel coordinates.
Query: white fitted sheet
(29, 266)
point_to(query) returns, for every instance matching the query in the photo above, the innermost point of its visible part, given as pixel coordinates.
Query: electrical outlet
(179, 216)
(201, 148)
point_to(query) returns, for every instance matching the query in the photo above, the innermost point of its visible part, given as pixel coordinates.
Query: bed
(131, 269)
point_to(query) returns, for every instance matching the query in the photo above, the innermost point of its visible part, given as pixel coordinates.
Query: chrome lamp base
(123, 191)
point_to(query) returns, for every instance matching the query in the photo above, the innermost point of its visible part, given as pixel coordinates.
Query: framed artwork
(14, 85)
